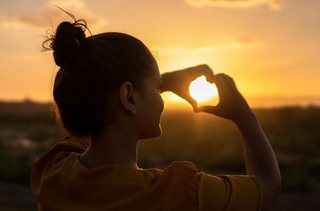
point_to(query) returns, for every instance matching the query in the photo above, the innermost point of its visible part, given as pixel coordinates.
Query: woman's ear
(128, 96)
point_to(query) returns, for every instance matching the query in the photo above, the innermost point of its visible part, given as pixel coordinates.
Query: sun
(201, 90)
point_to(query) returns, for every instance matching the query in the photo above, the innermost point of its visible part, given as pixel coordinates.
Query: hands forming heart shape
(231, 104)
(179, 82)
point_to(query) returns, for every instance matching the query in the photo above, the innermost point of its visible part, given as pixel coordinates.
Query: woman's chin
(152, 134)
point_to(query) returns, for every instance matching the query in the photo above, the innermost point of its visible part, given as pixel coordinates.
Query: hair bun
(66, 42)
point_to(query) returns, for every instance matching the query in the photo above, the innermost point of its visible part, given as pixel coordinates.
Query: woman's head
(91, 72)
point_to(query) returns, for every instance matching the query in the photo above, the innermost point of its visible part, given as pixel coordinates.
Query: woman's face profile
(151, 105)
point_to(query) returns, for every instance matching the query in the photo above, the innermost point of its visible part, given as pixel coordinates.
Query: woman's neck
(111, 147)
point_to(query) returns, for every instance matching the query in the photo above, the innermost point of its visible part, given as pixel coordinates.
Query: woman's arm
(259, 156)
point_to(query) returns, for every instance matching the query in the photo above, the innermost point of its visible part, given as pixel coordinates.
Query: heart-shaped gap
(204, 92)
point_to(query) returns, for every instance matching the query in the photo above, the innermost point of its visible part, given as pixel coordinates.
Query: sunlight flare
(201, 90)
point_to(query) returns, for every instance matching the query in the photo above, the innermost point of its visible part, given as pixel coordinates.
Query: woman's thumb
(192, 101)
(207, 109)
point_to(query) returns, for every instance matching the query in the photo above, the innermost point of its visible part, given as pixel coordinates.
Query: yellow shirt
(60, 182)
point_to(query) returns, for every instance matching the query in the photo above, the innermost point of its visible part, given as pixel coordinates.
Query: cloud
(277, 4)
(52, 15)
(2, 22)
(244, 40)
(273, 4)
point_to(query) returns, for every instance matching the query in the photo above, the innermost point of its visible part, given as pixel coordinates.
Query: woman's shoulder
(183, 164)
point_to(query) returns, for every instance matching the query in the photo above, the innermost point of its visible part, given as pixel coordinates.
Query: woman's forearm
(259, 157)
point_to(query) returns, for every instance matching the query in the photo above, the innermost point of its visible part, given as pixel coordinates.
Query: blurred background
(270, 48)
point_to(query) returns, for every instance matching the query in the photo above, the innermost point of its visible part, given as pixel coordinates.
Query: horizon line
(255, 102)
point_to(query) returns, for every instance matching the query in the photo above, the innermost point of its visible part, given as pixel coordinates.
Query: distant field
(214, 144)
(29, 129)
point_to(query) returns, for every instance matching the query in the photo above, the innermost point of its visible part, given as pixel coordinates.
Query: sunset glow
(201, 90)
(266, 46)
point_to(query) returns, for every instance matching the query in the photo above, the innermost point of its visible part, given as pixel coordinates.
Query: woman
(107, 96)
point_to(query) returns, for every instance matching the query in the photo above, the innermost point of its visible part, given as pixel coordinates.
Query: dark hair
(91, 71)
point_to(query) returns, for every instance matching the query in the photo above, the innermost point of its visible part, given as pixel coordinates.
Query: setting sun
(201, 90)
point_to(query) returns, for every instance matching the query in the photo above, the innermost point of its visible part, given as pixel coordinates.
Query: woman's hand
(231, 104)
(179, 81)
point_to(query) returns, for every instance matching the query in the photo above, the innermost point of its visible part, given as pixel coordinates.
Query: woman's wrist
(246, 118)
(165, 82)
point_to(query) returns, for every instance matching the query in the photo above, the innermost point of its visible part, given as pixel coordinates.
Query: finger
(225, 83)
(192, 101)
(200, 70)
(228, 80)
(210, 79)
(208, 73)
(208, 109)
(220, 83)
(230, 86)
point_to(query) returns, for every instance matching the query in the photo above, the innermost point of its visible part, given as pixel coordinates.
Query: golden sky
(270, 47)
